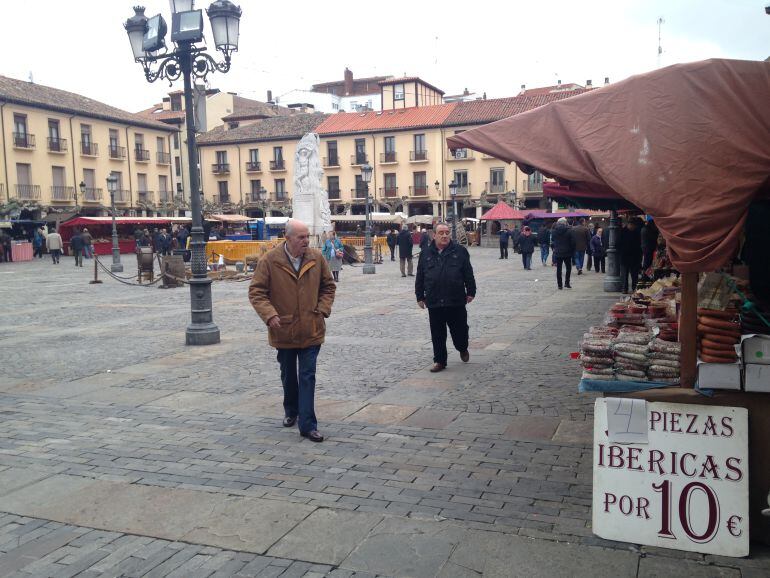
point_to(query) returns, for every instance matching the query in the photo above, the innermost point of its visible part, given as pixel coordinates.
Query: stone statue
(310, 203)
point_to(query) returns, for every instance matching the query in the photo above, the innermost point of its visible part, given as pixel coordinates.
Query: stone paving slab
(576, 432)
(124, 395)
(532, 428)
(378, 413)
(431, 418)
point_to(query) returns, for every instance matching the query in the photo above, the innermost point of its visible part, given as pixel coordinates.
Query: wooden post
(688, 328)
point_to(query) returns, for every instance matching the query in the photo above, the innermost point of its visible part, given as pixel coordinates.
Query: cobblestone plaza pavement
(125, 453)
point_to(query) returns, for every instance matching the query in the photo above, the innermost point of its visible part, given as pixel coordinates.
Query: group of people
(160, 240)
(293, 290)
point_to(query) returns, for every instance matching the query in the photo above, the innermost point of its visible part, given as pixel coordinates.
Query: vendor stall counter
(21, 251)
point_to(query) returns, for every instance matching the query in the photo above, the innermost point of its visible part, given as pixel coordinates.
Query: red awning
(85, 221)
(503, 212)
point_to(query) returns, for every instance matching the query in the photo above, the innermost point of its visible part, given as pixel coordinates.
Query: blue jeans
(88, 251)
(578, 259)
(544, 249)
(526, 260)
(299, 386)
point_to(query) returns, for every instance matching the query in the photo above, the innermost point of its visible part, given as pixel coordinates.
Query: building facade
(58, 148)
(406, 146)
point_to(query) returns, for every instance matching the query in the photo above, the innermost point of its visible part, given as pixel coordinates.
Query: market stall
(101, 230)
(687, 144)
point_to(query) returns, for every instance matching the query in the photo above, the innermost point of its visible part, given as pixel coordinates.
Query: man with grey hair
(293, 291)
(563, 244)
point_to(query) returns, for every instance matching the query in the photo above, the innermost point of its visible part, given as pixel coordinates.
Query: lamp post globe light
(366, 177)
(82, 187)
(188, 59)
(438, 194)
(117, 266)
(453, 194)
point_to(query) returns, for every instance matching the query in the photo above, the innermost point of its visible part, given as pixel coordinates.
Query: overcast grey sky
(483, 45)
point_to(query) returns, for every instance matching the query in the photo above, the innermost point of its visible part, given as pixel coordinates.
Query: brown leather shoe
(465, 356)
(313, 436)
(437, 367)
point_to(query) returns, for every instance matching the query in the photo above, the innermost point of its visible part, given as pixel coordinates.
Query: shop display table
(21, 251)
(125, 246)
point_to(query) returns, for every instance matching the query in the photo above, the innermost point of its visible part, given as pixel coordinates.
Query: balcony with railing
(146, 197)
(358, 159)
(166, 197)
(220, 168)
(57, 145)
(281, 196)
(162, 158)
(331, 162)
(388, 158)
(62, 193)
(89, 149)
(418, 191)
(334, 194)
(495, 188)
(122, 195)
(418, 156)
(223, 198)
(464, 190)
(459, 155)
(141, 155)
(389, 192)
(531, 189)
(253, 198)
(92, 195)
(358, 193)
(278, 165)
(116, 152)
(23, 140)
(253, 167)
(27, 192)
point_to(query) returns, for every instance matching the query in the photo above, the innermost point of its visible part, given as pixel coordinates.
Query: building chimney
(523, 87)
(348, 82)
(558, 82)
(588, 83)
(270, 97)
(485, 96)
(606, 80)
(465, 92)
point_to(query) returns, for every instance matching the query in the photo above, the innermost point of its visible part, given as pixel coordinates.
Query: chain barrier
(125, 280)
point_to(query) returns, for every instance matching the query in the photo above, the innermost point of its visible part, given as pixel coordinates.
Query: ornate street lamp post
(453, 194)
(82, 192)
(441, 208)
(366, 177)
(117, 266)
(188, 59)
(262, 196)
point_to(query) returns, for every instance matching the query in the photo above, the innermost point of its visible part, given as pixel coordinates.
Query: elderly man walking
(405, 246)
(293, 291)
(445, 284)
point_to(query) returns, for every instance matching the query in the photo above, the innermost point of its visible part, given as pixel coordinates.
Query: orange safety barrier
(237, 250)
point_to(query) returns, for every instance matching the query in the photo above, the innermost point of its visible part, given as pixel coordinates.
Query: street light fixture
(117, 266)
(262, 197)
(453, 194)
(187, 60)
(366, 177)
(82, 193)
(438, 194)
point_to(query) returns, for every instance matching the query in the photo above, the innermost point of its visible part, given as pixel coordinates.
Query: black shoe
(411, 274)
(560, 287)
(289, 421)
(403, 275)
(437, 367)
(568, 286)
(313, 436)
(465, 356)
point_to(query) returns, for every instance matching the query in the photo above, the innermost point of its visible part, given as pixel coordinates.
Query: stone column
(435, 208)
(612, 281)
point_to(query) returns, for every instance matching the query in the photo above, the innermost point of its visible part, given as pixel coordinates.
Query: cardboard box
(719, 375)
(756, 349)
(756, 377)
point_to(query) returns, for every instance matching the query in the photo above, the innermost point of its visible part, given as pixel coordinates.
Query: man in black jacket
(392, 240)
(563, 243)
(445, 284)
(405, 247)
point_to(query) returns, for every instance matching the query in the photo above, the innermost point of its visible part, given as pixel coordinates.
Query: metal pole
(117, 266)
(368, 264)
(612, 281)
(201, 330)
(454, 218)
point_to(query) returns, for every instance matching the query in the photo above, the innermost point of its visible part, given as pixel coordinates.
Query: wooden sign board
(672, 475)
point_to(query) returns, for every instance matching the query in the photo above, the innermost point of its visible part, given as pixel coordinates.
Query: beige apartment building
(58, 148)
(405, 146)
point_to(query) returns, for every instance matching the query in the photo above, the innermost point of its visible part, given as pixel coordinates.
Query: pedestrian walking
(445, 285)
(515, 236)
(6, 240)
(526, 245)
(649, 241)
(392, 241)
(76, 246)
(544, 240)
(405, 247)
(581, 238)
(333, 251)
(563, 251)
(164, 242)
(424, 239)
(589, 252)
(597, 250)
(38, 242)
(55, 244)
(182, 234)
(88, 247)
(293, 291)
(630, 254)
(505, 235)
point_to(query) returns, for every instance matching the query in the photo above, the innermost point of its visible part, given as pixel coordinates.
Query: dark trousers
(456, 318)
(503, 251)
(37, 251)
(526, 260)
(589, 261)
(392, 252)
(599, 261)
(55, 255)
(627, 271)
(7, 253)
(78, 253)
(567, 262)
(298, 379)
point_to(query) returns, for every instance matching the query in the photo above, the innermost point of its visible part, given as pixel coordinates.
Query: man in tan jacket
(293, 292)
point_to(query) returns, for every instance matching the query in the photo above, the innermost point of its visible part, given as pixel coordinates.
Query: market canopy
(503, 212)
(687, 144)
(230, 218)
(82, 221)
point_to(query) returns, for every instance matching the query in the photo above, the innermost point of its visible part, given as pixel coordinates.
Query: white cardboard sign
(685, 488)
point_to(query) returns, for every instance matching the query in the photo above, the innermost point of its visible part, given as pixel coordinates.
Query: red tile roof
(157, 113)
(549, 89)
(484, 111)
(423, 116)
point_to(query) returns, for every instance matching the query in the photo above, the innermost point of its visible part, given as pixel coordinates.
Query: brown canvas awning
(688, 144)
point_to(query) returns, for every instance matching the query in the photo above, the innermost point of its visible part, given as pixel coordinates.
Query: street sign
(681, 484)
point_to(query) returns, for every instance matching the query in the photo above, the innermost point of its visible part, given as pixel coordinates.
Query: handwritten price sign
(672, 475)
